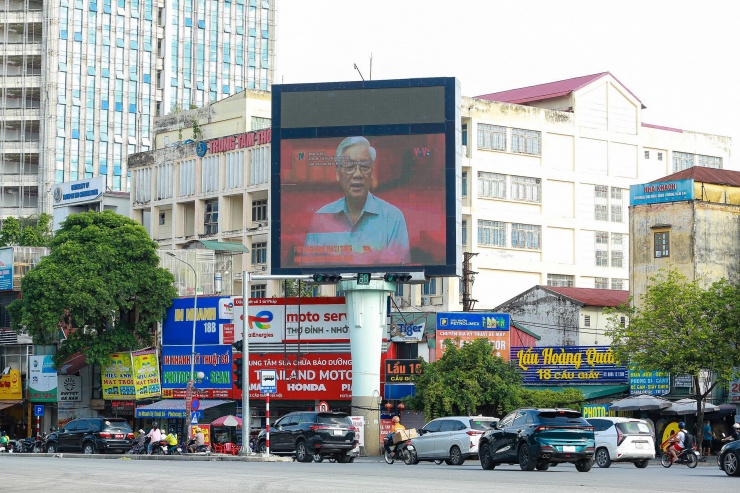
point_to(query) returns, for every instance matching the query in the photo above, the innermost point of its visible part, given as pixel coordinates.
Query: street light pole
(246, 416)
(191, 379)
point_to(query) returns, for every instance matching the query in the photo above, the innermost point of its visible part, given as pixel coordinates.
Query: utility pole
(468, 280)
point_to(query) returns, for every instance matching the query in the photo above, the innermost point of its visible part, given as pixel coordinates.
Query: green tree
(682, 328)
(290, 288)
(103, 281)
(33, 231)
(566, 397)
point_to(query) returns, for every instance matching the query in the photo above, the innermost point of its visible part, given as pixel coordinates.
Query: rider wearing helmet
(676, 441)
(396, 426)
(734, 433)
(155, 435)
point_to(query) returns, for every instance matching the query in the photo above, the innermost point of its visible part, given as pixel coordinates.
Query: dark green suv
(538, 438)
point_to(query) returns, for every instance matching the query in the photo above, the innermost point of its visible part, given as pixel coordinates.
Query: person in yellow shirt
(396, 426)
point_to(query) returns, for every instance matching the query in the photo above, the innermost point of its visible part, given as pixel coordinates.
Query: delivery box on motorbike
(402, 435)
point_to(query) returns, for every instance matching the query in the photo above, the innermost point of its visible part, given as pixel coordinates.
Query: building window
(161, 218)
(492, 137)
(259, 253)
(618, 284)
(660, 156)
(491, 185)
(587, 320)
(602, 283)
(430, 288)
(399, 290)
(647, 154)
(464, 232)
(491, 233)
(525, 189)
(662, 244)
(464, 183)
(617, 250)
(602, 249)
(709, 161)
(259, 210)
(682, 160)
(259, 123)
(617, 205)
(560, 280)
(600, 203)
(258, 291)
(525, 236)
(525, 141)
(210, 218)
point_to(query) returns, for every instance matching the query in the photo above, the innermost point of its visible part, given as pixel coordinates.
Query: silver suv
(622, 440)
(451, 439)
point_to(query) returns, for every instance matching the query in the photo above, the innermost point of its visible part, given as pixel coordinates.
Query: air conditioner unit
(424, 300)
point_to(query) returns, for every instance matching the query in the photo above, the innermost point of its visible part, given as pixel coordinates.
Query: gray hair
(351, 141)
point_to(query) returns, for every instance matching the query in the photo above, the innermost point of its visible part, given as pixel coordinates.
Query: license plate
(569, 448)
(640, 445)
(119, 436)
(338, 432)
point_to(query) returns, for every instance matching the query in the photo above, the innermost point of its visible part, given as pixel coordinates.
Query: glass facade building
(82, 81)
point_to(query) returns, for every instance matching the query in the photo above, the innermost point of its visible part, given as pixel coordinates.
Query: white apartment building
(82, 80)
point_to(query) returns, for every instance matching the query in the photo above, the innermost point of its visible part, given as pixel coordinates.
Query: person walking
(706, 444)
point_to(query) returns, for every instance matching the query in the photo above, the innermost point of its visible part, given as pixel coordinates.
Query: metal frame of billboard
(450, 127)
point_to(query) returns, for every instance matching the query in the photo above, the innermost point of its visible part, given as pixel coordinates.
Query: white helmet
(736, 426)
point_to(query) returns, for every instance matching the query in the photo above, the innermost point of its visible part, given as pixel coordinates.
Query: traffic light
(238, 346)
(238, 373)
(397, 277)
(327, 278)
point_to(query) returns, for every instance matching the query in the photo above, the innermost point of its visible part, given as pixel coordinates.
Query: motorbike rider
(155, 435)
(676, 442)
(396, 426)
(5, 442)
(198, 442)
(734, 434)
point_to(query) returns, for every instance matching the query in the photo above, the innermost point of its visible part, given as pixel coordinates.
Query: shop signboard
(649, 382)
(463, 327)
(42, 385)
(146, 373)
(11, 388)
(70, 388)
(6, 269)
(213, 360)
(118, 378)
(401, 370)
(571, 365)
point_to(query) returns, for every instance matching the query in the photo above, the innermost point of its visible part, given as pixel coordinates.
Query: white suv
(622, 440)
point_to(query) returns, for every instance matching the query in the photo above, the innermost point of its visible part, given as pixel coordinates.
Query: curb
(188, 457)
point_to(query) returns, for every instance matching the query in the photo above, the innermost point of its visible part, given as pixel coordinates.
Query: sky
(681, 58)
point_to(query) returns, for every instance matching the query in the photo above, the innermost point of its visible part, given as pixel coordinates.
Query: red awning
(74, 364)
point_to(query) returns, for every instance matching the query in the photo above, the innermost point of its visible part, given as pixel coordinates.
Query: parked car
(92, 435)
(309, 433)
(452, 439)
(729, 458)
(538, 438)
(622, 440)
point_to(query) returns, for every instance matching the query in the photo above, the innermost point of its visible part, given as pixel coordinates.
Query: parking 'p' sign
(38, 410)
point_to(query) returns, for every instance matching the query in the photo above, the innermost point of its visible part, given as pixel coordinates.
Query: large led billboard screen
(365, 176)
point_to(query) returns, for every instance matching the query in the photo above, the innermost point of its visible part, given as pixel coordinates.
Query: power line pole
(468, 280)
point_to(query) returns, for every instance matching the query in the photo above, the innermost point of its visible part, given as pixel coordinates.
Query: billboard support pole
(246, 415)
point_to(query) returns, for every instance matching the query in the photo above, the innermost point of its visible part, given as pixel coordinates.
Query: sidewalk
(186, 457)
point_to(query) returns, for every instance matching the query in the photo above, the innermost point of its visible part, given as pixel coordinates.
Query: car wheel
(318, 458)
(351, 459)
(262, 448)
(448, 462)
(486, 461)
(301, 452)
(51, 448)
(543, 466)
(88, 448)
(731, 464)
(456, 458)
(438, 461)
(584, 466)
(642, 464)
(525, 461)
(602, 458)
(344, 458)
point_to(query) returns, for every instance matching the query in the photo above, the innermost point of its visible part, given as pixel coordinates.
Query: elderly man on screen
(359, 228)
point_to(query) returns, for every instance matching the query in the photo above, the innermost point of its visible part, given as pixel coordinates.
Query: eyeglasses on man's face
(349, 167)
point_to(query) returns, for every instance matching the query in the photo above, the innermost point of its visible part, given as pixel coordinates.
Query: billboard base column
(366, 317)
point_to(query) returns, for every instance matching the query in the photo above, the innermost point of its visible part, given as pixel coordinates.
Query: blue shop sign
(650, 382)
(213, 360)
(177, 327)
(575, 365)
(473, 320)
(662, 191)
(164, 413)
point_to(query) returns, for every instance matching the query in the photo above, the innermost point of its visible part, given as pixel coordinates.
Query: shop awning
(73, 364)
(589, 391)
(174, 408)
(7, 404)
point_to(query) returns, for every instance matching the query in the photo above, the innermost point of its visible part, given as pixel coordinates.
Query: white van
(622, 440)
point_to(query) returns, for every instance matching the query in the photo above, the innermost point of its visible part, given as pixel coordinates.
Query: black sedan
(729, 458)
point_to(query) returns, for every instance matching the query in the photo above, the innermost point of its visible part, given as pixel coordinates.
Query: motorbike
(140, 445)
(403, 450)
(687, 456)
(26, 445)
(198, 449)
(39, 443)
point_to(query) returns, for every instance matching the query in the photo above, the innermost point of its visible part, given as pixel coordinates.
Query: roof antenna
(358, 71)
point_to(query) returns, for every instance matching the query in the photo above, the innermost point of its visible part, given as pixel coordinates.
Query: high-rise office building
(81, 81)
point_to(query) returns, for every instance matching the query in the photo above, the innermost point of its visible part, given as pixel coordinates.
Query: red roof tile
(705, 175)
(593, 297)
(548, 90)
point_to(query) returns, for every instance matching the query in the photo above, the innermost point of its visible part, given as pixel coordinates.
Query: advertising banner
(664, 191)
(70, 388)
(359, 423)
(407, 332)
(11, 388)
(468, 326)
(146, 373)
(596, 410)
(213, 360)
(6, 269)
(78, 191)
(575, 365)
(734, 396)
(177, 326)
(401, 370)
(649, 382)
(118, 378)
(42, 381)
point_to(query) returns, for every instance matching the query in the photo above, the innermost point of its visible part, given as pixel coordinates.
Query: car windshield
(562, 418)
(333, 419)
(481, 424)
(634, 428)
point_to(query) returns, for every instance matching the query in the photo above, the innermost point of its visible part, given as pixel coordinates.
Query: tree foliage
(680, 327)
(470, 380)
(33, 231)
(102, 280)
